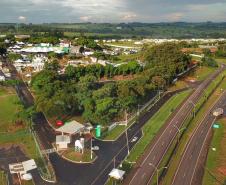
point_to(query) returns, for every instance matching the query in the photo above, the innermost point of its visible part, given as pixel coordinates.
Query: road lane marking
(191, 138)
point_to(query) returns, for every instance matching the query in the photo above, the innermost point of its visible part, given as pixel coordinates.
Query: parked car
(96, 148)
(134, 139)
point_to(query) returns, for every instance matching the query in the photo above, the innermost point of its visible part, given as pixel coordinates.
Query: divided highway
(188, 167)
(144, 171)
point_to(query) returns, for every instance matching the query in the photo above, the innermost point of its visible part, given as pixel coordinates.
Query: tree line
(78, 91)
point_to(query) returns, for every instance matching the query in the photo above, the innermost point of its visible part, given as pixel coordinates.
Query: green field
(155, 123)
(9, 106)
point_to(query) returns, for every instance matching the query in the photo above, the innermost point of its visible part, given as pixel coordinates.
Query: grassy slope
(155, 123)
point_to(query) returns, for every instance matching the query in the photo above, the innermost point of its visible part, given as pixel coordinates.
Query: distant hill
(136, 29)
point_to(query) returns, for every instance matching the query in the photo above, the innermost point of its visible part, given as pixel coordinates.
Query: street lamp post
(179, 131)
(127, 142)
(193, 107)
(91, 148)
(157, 171)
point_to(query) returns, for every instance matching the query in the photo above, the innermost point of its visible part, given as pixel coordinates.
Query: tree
(3, 49)
(52, 66)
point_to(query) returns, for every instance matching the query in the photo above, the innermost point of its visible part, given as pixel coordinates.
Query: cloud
(85, 18)
(129, 17)
(174, 17)
(22, 18)
(40, 11)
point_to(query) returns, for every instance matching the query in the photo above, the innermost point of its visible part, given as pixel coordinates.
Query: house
(22, 36)
(76, 49)
(22, 167)
(38, 63)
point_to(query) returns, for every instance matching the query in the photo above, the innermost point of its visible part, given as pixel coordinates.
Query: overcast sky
(70, 11)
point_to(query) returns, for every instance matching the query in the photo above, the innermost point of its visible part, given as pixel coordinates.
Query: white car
(96, 148)
(134, 139)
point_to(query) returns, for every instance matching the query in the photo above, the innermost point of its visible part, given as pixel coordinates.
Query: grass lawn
(174, 162)
(180, 84)
(27, 182)
(155, 123)
(9, 106)
(216, 161)
(221, 60)
(200, 73)
(77, 157)
(114, 133)
(3, 178)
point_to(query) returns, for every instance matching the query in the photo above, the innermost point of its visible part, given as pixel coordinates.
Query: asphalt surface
(110, 154)
(187, 171)
(143, 172)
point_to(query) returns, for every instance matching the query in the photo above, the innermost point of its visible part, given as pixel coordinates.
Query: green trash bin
(98, 131)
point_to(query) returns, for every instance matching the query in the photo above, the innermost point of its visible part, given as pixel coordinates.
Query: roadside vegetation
(3, 178)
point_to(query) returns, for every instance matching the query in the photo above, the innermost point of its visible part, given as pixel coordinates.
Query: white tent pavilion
(22, 167)
(117, 174)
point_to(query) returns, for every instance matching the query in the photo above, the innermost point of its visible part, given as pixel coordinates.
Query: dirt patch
(118, 78)
(222, 170)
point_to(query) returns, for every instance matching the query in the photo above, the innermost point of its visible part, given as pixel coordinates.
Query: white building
(62, 142)
(2, 78)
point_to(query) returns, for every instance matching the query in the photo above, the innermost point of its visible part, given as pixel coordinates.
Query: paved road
(110, 154)
(188, 167)
(143, 172)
